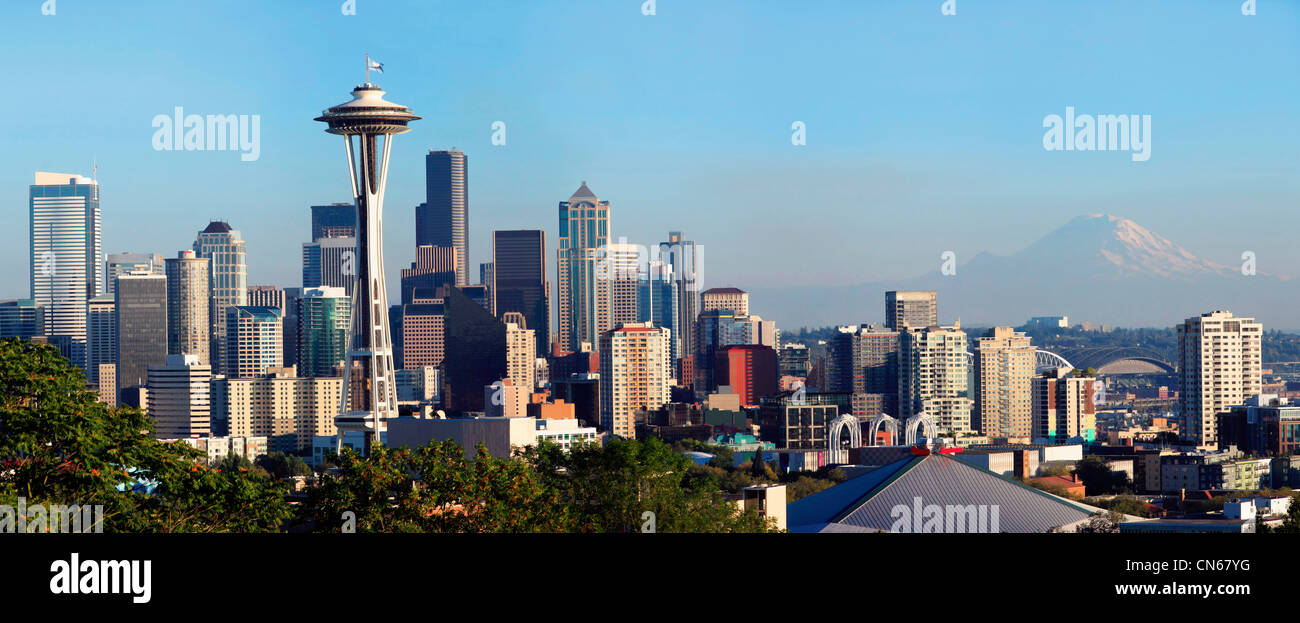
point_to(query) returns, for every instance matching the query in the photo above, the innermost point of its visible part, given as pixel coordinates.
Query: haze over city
(923, 135)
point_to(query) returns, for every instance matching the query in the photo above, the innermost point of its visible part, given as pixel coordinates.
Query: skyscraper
(657, 299)
(621, 266)
(22, 318)
(101, 337)
(433, 267)
(485, 277)
(686, 262)
(180, 397)
(1219, 367)
(424, 333)
(734, 300)
(635, 375)
(254, 341)
(189, 304)
(292, 298)
(324, 320)
(911, 308)
(227, 253)
(125, 263)
(141, 302)
(66, 251)
(932, 376)
(582, 300)
(715, 329)
(330, 262)
(1004, 368)
(368, 124)
(519, 281)
(266, 296)
(443, 219)
(475, 351)
(863, 360)
(336, 220)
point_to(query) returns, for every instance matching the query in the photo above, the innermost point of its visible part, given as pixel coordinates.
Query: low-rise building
(1225, 470)
(502, 436)
(218, 448)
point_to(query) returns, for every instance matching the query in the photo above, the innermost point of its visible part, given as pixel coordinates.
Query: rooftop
(869, 502)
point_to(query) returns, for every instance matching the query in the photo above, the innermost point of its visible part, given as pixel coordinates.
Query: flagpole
(367, 68)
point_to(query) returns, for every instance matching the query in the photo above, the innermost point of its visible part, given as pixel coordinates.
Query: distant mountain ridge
(1100, 268)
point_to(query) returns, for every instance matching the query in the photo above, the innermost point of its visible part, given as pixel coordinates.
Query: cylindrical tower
(368, 123)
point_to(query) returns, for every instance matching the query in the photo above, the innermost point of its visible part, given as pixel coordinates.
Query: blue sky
(924, 131)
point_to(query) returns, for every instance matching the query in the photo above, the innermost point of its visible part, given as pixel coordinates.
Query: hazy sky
(924, 131)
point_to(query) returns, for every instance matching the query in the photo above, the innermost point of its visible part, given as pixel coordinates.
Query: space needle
(367, 123)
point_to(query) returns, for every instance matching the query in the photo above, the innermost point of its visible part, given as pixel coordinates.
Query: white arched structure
(1046, 360)
(931, 431)
(888, 422)
(838, 454)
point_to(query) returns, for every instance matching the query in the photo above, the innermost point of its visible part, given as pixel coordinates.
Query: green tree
(434, 488)
(280, 465)
(1098, 477)
(59, 445)
(611, 488)
(1126, 504)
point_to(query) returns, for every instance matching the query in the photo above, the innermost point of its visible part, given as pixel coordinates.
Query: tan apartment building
(635, 375)
(1004, 367)
(281, 406)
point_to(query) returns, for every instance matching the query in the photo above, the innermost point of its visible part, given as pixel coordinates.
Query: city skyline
(944, 147)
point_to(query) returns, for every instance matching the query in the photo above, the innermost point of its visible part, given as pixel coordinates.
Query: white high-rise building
(1219, 367)
(932, 376)
(179, 397)
(621, 267)
(66, 251)
(635, 375)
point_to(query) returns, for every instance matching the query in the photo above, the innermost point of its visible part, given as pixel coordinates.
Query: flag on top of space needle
(375, 65)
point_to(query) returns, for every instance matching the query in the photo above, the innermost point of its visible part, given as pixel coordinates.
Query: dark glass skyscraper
(141, 327)
(475, 351)
(443, 219)
(519, 281)
(337, 220)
